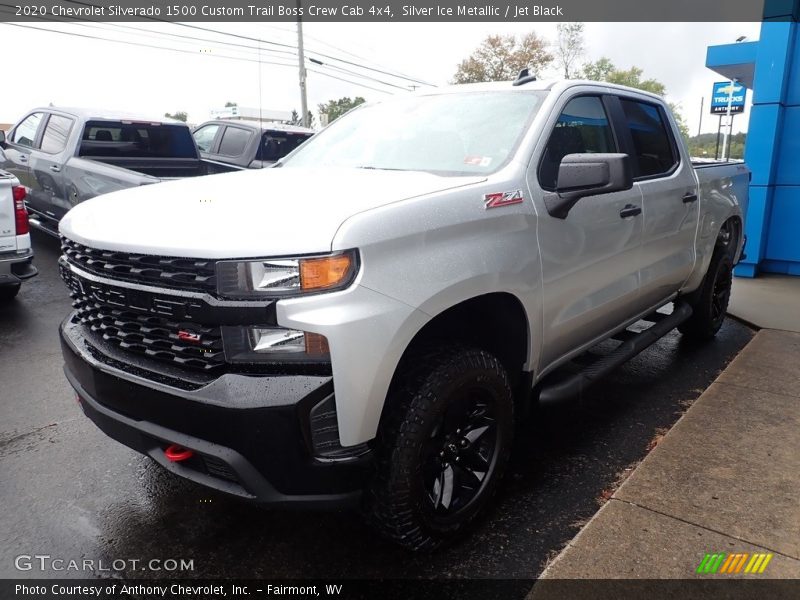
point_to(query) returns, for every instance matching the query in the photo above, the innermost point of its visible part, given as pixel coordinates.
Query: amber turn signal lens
(325, 272)
(316, 344)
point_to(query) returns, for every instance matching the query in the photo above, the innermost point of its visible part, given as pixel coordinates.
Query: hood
(254, 213)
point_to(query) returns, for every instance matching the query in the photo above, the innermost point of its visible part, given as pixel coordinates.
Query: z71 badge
(502, 199)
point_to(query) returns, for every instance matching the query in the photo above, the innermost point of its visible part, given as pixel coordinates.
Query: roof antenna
(524, 77)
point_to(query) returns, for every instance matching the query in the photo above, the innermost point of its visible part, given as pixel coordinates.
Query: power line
(182, 51)
(279, 44)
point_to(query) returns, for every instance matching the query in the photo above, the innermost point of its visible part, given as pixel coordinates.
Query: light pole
(729, 131)
(302, 62)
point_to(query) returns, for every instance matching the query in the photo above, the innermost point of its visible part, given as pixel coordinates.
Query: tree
(180, 115)
(501, 57)
(604, 70)
(569, 47)
(336, 108)
(681, 122)
(295, 119)
(230, 104)
(599, 70)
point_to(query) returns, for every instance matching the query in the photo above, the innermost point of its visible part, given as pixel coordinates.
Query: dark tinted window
(56, 134)
(582, 127)
(651, 138)
(25, 133)
(234, 141)
(137, 140)
(204, 137)
(277, 144)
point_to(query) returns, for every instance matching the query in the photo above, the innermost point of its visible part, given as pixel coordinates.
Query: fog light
(277, 340)
(265, 344)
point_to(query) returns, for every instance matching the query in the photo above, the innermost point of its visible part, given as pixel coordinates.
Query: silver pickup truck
(363, 324)
(16, 253)
(64, 156)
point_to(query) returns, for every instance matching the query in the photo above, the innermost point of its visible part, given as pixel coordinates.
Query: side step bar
(633, 345)
(37, 223)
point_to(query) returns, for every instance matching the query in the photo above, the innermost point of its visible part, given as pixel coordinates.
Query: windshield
(446, 134)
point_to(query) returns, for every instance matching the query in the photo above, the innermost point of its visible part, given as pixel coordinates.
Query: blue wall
(772, 223)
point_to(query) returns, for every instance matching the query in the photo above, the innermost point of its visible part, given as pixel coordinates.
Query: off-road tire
(397, 503)
(710, 302)
(8, 292)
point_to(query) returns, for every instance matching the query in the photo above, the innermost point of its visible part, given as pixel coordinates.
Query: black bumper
(251, 435)
(16, 268)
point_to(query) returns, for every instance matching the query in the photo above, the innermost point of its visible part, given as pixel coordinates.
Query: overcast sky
(73, 71)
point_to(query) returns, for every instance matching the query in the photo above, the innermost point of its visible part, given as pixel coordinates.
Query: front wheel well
(495, 322)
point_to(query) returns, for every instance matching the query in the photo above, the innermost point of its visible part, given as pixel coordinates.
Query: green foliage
(502, 57)
(604, 70)
(180, 115)
(336, 108)
(705, 144)
(295, 119)
(230, 104)
(682, 126)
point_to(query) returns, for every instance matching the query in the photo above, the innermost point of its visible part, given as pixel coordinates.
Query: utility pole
(302, 60)
(700, 126)
(729, 131)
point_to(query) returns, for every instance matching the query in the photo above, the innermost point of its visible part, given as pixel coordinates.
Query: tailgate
(8, 228)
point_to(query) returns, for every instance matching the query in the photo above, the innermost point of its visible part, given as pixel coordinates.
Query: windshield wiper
(378, 168)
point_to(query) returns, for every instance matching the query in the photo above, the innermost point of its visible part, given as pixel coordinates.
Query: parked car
(365, 324)
(64, 156)
(16, 254)
(248, 144)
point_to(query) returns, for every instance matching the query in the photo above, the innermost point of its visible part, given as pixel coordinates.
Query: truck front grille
(186, 344)
(191, 274)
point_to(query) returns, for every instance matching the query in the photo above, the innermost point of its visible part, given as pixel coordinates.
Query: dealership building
(771, 68)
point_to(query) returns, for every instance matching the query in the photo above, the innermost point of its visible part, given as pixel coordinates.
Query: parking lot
(70, 492)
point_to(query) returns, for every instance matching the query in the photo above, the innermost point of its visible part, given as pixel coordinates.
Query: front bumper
(16, 267)
(252, 435)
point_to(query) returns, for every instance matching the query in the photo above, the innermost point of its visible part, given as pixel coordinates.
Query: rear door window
(56, 134)
(654, 147)
(234, 141)
(582, 127)
(25, 133)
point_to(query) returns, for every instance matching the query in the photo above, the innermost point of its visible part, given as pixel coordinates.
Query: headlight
(272, 344)
(266, 278)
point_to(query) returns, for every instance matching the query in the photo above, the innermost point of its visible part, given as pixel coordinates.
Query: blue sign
(724, 92)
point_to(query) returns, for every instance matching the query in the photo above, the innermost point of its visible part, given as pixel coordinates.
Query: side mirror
(581, 175)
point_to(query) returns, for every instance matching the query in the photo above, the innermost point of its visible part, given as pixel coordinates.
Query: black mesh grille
(192, 274)
(188, 345)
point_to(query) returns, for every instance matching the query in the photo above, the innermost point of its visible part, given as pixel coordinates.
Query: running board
(37, 223)
(634, 343)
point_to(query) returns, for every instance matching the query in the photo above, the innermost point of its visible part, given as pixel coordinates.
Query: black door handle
(689, 197)
(630, 211)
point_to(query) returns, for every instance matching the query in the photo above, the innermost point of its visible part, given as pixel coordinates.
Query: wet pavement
(68, 491)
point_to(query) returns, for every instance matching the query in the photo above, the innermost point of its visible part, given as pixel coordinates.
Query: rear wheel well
(729, 236)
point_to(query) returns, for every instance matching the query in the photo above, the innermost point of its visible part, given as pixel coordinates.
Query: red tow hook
(177, 453)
